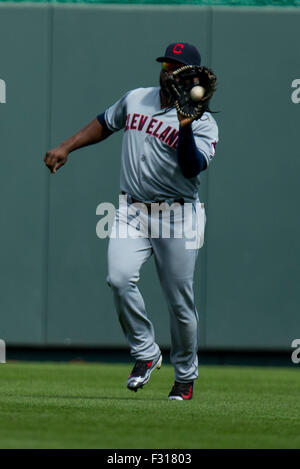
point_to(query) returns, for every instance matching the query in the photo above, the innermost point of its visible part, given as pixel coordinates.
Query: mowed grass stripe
(56, 405)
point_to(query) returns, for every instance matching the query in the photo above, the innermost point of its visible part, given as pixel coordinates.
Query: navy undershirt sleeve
(101, 120)
(190, 160)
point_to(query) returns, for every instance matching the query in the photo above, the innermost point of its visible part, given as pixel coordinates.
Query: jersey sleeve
(115, 115)
(206, 136)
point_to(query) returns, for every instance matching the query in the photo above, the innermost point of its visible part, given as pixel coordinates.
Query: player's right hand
(56, 158)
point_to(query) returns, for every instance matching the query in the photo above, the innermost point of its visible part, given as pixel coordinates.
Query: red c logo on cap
(177, 49)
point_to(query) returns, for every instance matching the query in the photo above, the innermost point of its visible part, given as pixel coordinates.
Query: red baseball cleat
(181, 391)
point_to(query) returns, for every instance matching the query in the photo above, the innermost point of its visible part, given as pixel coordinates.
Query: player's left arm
(190, 160)
(195, 146)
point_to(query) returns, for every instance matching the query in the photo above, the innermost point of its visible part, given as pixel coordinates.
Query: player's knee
(119, 280)
(186, 317)
(179, 292)
(181, 305)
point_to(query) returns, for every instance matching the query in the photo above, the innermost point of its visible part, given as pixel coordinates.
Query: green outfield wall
(256, 3)
(61, 65)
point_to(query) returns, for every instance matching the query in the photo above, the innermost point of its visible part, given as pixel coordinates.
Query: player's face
(170, 66)
(167, 67)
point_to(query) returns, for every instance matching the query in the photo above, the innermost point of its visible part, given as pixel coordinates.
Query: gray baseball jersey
(149, 169)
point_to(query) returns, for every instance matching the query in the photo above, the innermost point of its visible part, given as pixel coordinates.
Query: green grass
(88, 406)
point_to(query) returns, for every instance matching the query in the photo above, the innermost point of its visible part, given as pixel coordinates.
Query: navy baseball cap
(181, 52)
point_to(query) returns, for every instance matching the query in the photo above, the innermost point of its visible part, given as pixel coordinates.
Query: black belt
(148, 204)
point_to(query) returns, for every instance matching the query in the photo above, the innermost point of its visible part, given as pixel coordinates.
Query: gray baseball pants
(175, 265)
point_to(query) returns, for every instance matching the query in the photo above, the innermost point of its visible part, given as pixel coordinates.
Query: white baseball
(197, 93)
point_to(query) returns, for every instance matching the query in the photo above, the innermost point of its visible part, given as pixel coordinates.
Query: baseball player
(163, 154)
